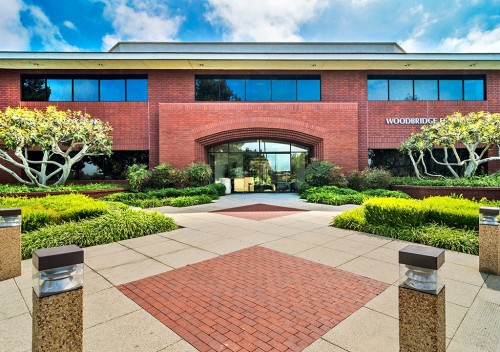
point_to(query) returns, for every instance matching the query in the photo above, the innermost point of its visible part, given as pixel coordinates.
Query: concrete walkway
(113, 322)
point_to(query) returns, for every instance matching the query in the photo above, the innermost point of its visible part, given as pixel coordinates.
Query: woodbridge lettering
(411, 120)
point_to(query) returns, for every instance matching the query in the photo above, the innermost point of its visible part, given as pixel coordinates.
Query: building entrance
(260, 165)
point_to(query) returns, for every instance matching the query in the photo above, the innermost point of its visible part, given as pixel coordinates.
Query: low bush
(394, 212)
(111, 227)
(198, 174)
(220, 188)
(333, 195)
(162, 176)
(68, 187)
(385, 193)
(137, 176)
(476, 181)
(324, 173)
(369, 179)
(39, 212)
(302, 187)
(453, 212)
(190, 200)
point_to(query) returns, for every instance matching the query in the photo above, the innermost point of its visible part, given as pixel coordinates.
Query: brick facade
(176, 129)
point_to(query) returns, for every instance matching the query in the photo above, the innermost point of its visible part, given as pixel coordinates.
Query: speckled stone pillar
(10, 243)
(58, 322)
(489, 241)
(422, 321)
(422, 309)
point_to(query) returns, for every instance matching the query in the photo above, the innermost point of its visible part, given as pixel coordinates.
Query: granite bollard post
(422, 318)
(10, 243)
(489, 240)
(58, 299)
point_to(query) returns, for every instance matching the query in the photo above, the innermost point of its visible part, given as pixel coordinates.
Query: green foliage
(198, 174)
(394, 212)
(68, 187)
(453, 212)
(353, 219)
(333, 195)
(186, 201)
(137, 176)
(385, 193)
(302, 187)
(220, 188)
(324, 173)
(369, 179)
(162, 176)
(111, 227)
(475, 181)
(39, 212)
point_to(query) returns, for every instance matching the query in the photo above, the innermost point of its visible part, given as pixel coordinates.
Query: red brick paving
(259, 211)
(256, 299)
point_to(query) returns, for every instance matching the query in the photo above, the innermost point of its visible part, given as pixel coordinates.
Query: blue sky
(96, 25)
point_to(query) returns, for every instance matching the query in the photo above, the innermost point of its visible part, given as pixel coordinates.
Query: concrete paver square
(133, 271)
(185, 257)
(366, 331)
(326, 256)
(349, 246)
(157, 249)
(334, 232)
(286, 245)
(384, 254)
(15, 333)
(114, 259)
(460, 293)
(142, 241)
(313, 237)
(491, 290)
(181, 346)
(323, 346)
(454, 316)
(252, 299)
(137, 331)
(11, 300)
(372, 268)
(93, 282)
(462, 259)
(225, 246)
(257, 238)
(368, 238)
(462, 273)
(387, 302)
(103, 249)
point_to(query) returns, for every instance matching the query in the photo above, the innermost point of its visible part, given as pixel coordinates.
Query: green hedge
(476, 181)
(39, 212)
(68, 187)
(394, 212)
(111, 227)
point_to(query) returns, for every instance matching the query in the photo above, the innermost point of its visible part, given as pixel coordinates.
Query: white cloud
(476, 41)
(48, 32)
(263, 20)
(139, 20)
(14, 36)
(424, 22)
(69, 24)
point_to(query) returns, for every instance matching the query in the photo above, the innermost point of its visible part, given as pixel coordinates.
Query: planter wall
(91, 193)
(420, 192)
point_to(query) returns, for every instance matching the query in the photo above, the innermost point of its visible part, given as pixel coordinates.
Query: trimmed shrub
(335, 199)
(161, 176)
(198, 174)
(67, 187)
(385, 193)
(377, 178)
(111, 227)
(323, 173)
(302, 187)
(453, 212)
(220, 188)
(137, 177)
(356, 180)
(395, 212)
(39, 212)
(190, 200)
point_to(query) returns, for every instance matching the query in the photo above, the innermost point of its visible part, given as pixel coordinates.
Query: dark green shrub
(161, 176)
(385, 193)
(187, 201)
(302, 187)
(67, 187)
(198, 174)
(335, 199)
(111, 227)
(137, 177)
(324, 173)
(475, 181)
(395, 212)
(356, 180)
(220, 188)
(179, 178)
(377, 178)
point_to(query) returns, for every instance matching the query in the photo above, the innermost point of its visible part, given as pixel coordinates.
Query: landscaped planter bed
(420, 192)
(98, 193)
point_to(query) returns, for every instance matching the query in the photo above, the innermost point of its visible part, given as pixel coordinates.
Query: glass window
(426, 89)
(450, 89)
(244, 146)
(59, 90)
(112, 90)
(378, 89)
(232, 89)
(258, 89)
(34, 89)
(137, 89)
(271, 146)
(284, 89)
(308, 89)
(400, 89)
(474, 89)
(299, 148)
(86, 89)
(207, 89)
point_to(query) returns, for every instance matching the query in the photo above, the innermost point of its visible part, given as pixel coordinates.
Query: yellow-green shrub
(453, 212)
(394, 212)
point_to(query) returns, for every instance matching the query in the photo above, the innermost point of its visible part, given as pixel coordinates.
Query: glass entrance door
(259, 165)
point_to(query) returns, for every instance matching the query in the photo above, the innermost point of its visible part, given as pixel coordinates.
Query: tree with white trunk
(63, 137)
(478, 132)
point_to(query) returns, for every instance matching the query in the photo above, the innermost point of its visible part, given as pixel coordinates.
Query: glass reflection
(86, 89)
(258, 89)
(59, 90)
(308, 89)
(137, 90)
(450, 89)
(473, 89)
(378, 89)
(426, 89)
(401, 89)
(113, 90)
(284, 89)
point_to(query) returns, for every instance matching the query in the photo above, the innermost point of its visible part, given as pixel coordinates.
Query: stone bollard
(58, 299)
(422, 318)
(489, 241)
(10, 243)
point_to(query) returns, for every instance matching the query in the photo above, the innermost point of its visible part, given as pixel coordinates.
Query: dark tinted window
(284, 89)
(86, 89)
(207, 89)
(450, 89)
(308, 89)
(473, 89)
(112, 90)
(34, 89)
(232, 89)
(426, 89)
(258, 89)
(59, 90)
(378, 89)
(401, 89)
(137, 90)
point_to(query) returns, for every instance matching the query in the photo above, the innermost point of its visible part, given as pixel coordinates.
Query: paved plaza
(256, 272)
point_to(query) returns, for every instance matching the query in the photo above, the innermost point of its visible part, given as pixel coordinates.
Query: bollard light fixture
(10, 217)
(488, 216)
(57, 270)
(418, 267)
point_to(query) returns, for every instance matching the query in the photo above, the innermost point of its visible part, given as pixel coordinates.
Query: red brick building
(253, 109)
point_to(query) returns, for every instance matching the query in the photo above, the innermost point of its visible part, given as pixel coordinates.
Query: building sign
(411, 120)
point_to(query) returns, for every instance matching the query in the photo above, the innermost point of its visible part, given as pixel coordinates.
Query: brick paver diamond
(259, 211)
(253, 299)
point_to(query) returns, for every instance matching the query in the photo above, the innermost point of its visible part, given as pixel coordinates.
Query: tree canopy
(64, 137)
(478, 132)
